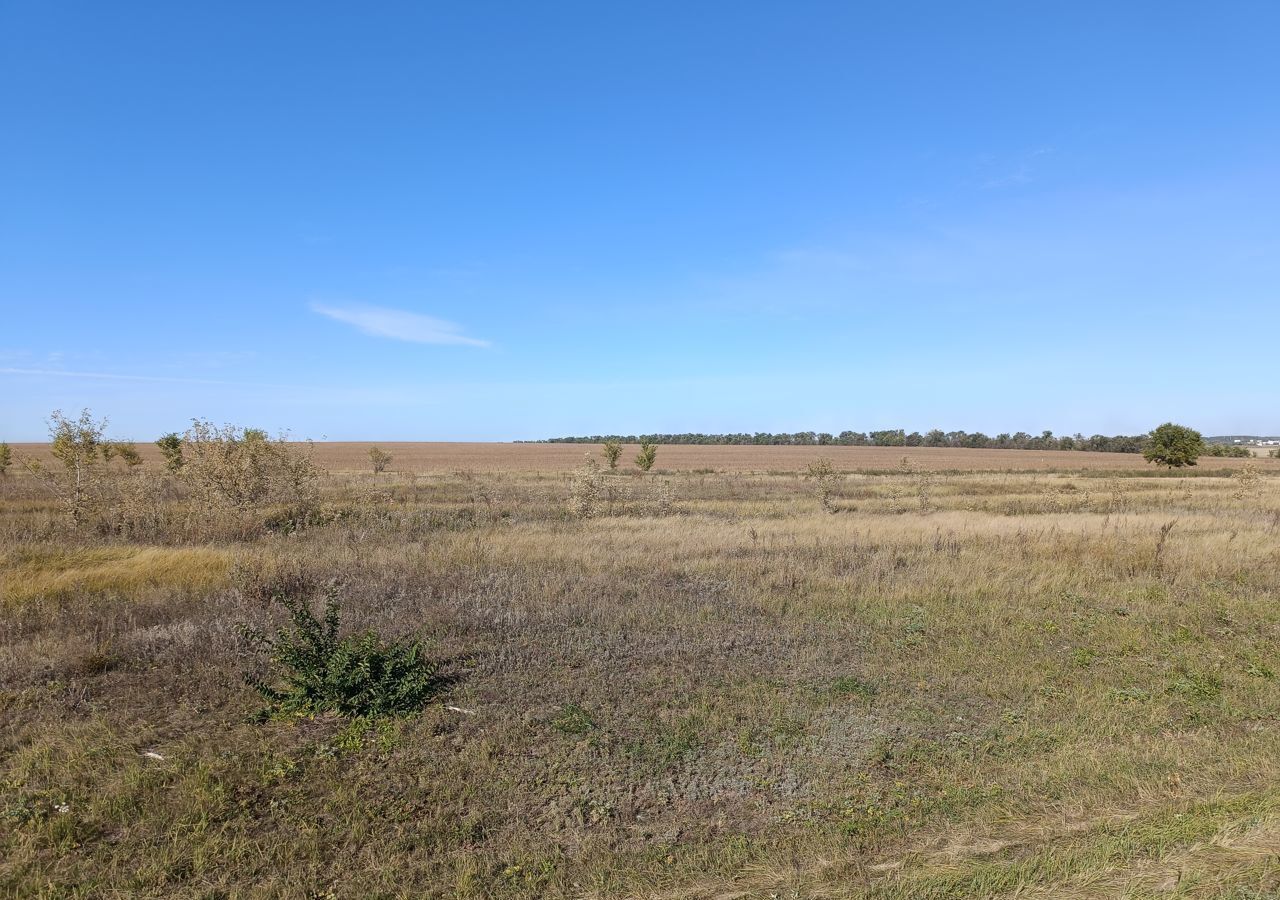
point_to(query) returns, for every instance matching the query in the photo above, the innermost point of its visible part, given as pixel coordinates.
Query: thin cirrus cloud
(398, 324)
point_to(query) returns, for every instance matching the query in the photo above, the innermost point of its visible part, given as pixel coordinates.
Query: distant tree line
(897, 437)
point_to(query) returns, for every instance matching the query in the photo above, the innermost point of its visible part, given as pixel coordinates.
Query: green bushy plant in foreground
(356, 675)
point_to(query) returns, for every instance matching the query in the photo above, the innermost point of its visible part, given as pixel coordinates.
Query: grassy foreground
(949, 685)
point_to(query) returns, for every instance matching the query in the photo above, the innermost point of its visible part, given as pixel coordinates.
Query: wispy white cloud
(1002, 173)
(399, 324)
(111, 376)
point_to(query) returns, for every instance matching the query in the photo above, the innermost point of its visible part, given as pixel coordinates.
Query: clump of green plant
(852, 686)
(1199, 687)
(824, 477)
(573, 720)
(648, 453)
(379, 459)
(316, 670)
(126, 450)
(612, 450)
(171, 449)
(6, 457)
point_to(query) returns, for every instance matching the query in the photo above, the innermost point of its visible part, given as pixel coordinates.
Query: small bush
(612, 450)
(824, 476)
(244, 470)
(6, 457)
(1247, 482)
(357, 675)
(171, 449)
(912, 480)
(586, 489)
(82, 485)
(379, 459)
(648, 453)
(126, 450)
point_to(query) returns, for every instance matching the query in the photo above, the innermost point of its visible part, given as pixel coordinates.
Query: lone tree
(379, 458)
(648, 453)
(612, 450)
(1174, 446)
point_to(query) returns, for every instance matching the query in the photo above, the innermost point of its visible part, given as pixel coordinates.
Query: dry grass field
(428, 458)
(984, 674)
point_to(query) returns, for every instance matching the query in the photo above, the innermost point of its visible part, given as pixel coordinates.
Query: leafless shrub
(136, 506)
(1117, 501)
(912, 481)
(242, 469)
(1161, 544)
(1247, 482)
(662, 500)
(379, 459)
(84, 483)
(824, 477)
(586, 489)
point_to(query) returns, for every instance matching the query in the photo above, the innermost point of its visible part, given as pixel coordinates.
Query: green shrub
(612, 450)
(171, 449)
(6, 457)
(126, 450)
(1231, 451)
(648, 453)
(357, 675)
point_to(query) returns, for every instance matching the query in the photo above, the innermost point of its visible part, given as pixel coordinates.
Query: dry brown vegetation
(959, 677)
(341, 457)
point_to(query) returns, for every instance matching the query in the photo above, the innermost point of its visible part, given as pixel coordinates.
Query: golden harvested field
(741, 683)
(444, 458)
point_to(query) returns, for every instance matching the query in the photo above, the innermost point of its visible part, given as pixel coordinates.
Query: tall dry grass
(715, 683)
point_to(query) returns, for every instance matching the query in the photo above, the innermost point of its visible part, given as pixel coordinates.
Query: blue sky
(508, 220)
